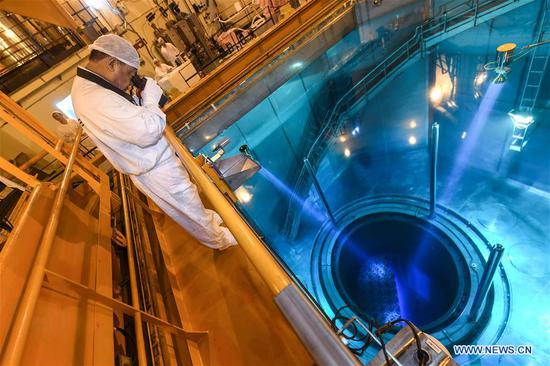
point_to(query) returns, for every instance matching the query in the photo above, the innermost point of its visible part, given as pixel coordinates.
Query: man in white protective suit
(130, 135)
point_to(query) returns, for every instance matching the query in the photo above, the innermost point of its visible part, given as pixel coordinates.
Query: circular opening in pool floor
(393, 265)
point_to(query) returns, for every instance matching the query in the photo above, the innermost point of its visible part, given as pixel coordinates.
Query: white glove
(150, 95)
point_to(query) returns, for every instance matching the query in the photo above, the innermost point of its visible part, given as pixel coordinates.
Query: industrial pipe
(486, 280)
(13, 352)
(138, 324)
(434, 148)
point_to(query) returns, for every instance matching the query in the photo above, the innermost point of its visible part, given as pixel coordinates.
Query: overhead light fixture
(96, 4)
(355, 131)
(297, 65)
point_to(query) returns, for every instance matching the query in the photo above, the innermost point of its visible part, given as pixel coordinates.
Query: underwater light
(355, 131)
(243, 195)
(521, 120)
(412, 124)
(412, 140)
(480, 78)
(342, 138)
(347, 152)
(501, 66)
(436, 94)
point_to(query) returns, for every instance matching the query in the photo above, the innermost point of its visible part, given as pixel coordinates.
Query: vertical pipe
(486, 280)
(434, 147)
(476, 12)
(318, 189)
(138, 324)
(17, 338)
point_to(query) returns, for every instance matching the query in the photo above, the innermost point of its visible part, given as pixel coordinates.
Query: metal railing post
(138, 324)
(17, 337)
(319, 190)
(486, 280)
(434, 148)
(476, 12)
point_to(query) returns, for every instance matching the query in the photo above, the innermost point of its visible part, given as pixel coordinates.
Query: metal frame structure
(39, 275)
(308, 323)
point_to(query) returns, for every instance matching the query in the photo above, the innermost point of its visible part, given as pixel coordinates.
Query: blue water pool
(381, 253)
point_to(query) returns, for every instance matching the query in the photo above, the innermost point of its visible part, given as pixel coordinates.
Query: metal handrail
(21, 325)
(445, 22)
(420, 35)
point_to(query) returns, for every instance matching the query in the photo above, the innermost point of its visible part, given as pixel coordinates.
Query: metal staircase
(433, 31)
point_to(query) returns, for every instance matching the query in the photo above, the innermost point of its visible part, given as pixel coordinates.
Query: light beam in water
(474, 131)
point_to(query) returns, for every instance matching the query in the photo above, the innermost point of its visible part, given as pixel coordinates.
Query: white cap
(117, 47)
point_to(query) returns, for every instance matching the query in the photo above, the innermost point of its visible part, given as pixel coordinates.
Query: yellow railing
(270, 271)
(23, 317)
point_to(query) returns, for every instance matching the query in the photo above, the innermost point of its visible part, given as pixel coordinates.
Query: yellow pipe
(271, 272)
(138, 325)
(24, 314)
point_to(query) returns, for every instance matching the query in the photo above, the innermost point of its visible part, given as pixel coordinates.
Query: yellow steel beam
(11, 106)
(18, 173)
(58, 282)
(270, 271)
(247, 61)
(91, 178)
(21, 324)
(49, 11)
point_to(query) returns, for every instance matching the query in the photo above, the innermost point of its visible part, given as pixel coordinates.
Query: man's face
(122, 74)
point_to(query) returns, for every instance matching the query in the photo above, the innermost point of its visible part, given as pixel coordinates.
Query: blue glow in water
(291, 195)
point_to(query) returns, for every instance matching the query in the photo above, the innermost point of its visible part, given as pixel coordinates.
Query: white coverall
(169, 52)
(67, 132)
(131, 138)
(161, 70)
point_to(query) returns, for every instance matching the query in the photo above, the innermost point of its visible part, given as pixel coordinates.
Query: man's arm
(139, 125)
